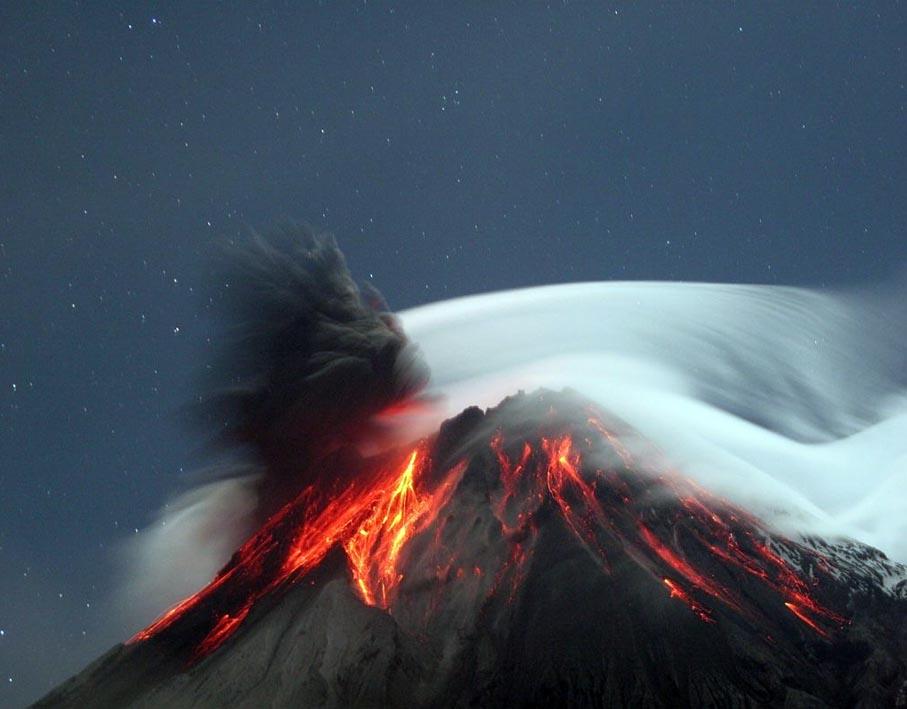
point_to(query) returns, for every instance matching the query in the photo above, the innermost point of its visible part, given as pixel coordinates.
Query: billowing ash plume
(310, 362)
(305, 368)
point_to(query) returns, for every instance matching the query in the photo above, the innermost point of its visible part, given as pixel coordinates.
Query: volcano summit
(519, 557)
(538, 552)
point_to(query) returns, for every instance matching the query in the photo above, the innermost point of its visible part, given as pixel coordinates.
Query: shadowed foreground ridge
(520, 557)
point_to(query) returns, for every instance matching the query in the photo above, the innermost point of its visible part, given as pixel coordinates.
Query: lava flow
(713, 557)
(371, 518)
(600, 504)
(374, 549)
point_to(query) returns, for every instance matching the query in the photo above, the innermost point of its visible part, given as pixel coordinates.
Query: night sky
(453, 148)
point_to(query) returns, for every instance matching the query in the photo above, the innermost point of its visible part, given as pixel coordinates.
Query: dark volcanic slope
(520, 557)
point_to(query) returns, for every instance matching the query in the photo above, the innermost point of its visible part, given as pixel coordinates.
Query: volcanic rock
(523, 556)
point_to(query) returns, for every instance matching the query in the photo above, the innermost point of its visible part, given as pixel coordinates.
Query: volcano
(522, 555)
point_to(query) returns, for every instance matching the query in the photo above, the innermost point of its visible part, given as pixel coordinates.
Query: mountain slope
(522, 556)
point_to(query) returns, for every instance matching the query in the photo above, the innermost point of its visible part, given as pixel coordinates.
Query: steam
(192, 538)
(790, 402)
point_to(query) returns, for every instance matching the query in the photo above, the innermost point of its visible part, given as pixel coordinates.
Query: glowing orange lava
(371, 519)
(373, 515)
(677, 591)
(596, 506)
(400, 513)
(567, 487)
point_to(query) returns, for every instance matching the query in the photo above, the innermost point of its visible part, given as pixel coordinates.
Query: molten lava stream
(372, 519)
(402, 511)
(677, 591)
(728, 534)
(564, 481)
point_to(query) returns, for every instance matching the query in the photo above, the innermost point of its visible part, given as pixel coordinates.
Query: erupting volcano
(518, 556)
(526, 554)
(391, 518)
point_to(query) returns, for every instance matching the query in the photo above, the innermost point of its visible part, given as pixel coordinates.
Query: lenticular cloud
(788, 401)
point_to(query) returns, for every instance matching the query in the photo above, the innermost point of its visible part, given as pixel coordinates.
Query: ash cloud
(309, 362)
(307, 366)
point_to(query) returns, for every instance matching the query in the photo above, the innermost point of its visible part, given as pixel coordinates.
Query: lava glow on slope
(371, 518)
(374, 549)
(598, 503)
(690, 542)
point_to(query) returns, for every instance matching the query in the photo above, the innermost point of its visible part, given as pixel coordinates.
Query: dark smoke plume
(309, 361)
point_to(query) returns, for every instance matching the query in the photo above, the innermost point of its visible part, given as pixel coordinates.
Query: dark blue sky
(452, 147)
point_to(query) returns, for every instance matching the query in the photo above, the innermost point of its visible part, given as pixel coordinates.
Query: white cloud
(787, 401)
